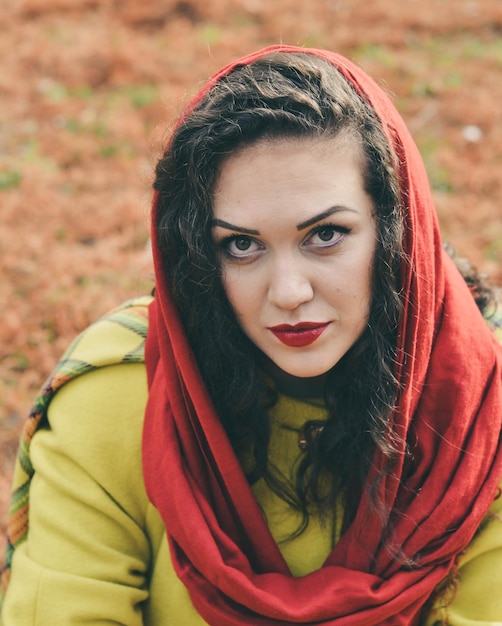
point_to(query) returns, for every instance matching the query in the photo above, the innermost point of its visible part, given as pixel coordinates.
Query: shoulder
(92, 374)
(95, 422)
(95, 415)
(117, 337)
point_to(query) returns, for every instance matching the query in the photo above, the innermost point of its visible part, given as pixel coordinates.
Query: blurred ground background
(88, 89)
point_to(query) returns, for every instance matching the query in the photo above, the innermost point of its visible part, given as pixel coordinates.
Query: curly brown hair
(283, 95)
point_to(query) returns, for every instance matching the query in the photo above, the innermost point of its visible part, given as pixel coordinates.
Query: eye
(239, 246)
(242, 244)
(326, 236)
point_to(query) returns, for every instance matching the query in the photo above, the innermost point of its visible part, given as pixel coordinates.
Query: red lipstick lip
(298, 327)
(299, 335)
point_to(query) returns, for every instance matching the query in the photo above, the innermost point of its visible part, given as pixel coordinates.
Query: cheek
(239, 292)
(366, 262)
(354, 290)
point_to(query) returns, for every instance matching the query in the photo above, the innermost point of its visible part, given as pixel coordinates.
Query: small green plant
(56, 92)
(20, 362)
(377, 53)
(82, 92)
(210, 34)
(491, 251)
(9, 179)
(439, 176)
(143, 95)
(108, 152)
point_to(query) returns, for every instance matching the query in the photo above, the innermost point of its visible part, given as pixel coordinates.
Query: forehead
(294, 176)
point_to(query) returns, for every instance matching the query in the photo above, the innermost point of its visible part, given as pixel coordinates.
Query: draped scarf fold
(450, 408)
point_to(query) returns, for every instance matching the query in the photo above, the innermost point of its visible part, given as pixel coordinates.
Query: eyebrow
(301, 226)
(241, 229)
(321, 216)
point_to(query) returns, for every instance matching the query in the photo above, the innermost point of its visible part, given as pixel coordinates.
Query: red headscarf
(451, 406)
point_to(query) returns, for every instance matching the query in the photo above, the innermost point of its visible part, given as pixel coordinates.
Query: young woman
(321, 437)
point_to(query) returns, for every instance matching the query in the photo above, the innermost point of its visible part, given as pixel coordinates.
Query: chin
(285, 372)
(315, 369)
(306, 374)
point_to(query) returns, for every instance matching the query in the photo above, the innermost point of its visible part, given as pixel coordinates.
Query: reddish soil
(88, 89)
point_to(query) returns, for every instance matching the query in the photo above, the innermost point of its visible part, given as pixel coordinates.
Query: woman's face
(296, 235)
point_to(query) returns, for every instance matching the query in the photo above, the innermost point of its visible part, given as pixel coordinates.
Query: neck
(295, 386)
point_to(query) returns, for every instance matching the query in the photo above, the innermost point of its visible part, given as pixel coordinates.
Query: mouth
(299, 335)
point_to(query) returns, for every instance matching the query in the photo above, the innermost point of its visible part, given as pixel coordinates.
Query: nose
(289, 284)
